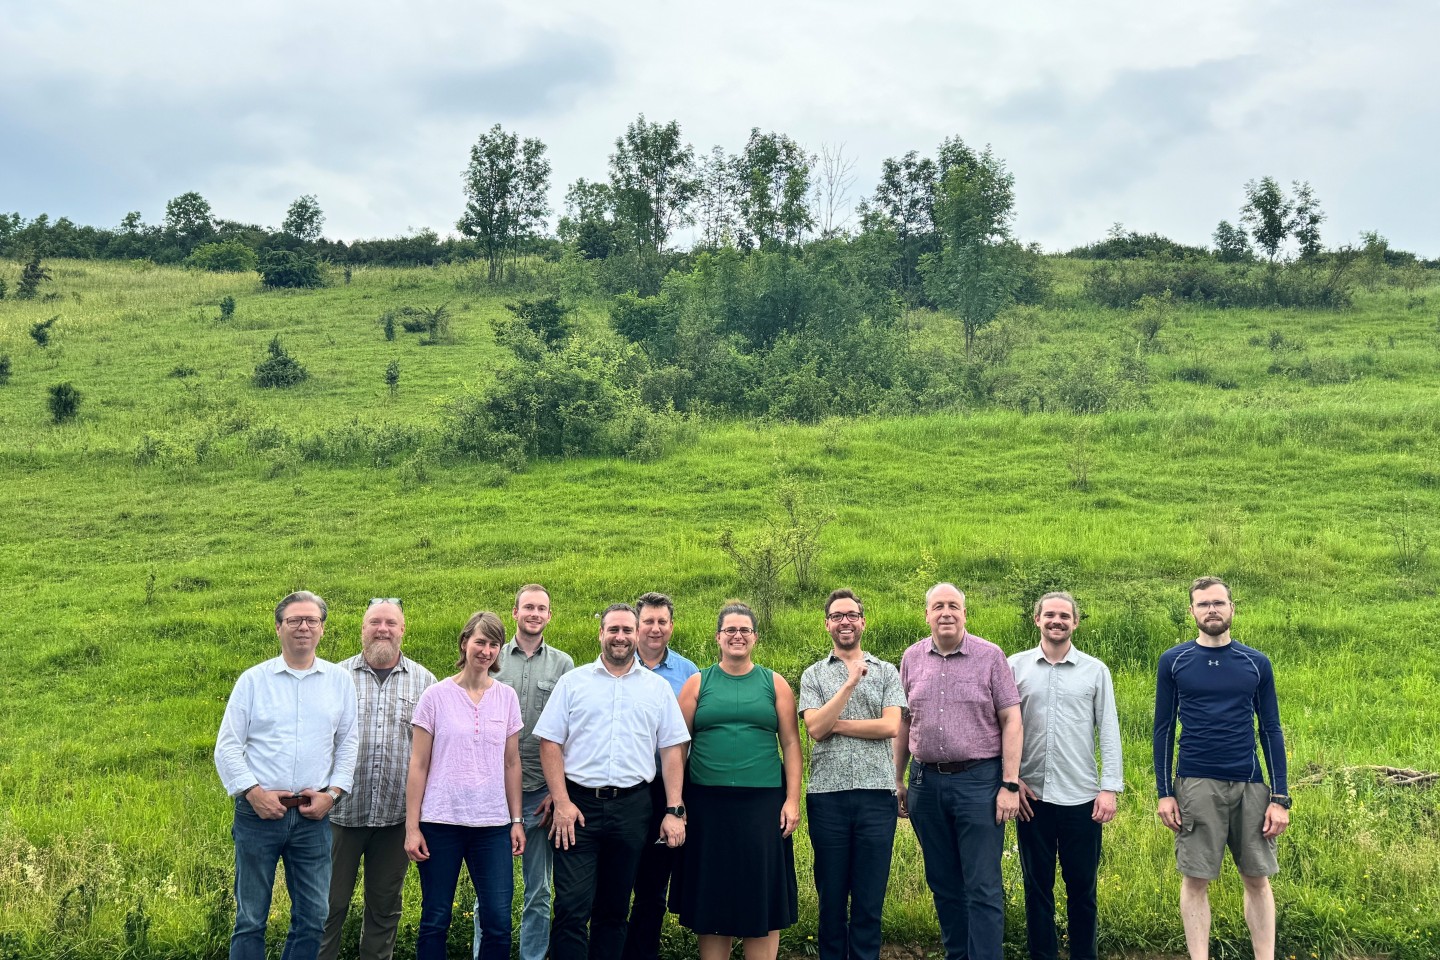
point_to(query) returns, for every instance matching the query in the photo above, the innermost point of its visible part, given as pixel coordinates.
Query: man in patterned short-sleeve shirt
(851, 704)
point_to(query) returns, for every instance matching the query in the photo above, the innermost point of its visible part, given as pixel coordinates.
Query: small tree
(4, 288)
(388, 321)
(31, 277)
(279, 369)
(303, 220)
(40, 332)
(289, 268)
(4, 369)
(1266, 214)
(227, 307)
(1306, 220)
(1231, 243)
(64, 402)
(392, 377)
(437, 325)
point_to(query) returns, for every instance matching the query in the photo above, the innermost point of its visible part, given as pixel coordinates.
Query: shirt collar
(663, 658)
(1070, 655)
(280, 666)
(865, 655)
(362, 664)
(599, 665)
(514, 647)
(960, 648)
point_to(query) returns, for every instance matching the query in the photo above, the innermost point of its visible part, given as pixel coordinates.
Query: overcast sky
(1146, 113)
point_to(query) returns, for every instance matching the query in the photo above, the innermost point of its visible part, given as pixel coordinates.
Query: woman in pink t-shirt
(462, 799)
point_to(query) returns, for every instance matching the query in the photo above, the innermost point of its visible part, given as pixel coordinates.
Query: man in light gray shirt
(1067, 704)
(599, 737)
(532, 667)
(369, 822)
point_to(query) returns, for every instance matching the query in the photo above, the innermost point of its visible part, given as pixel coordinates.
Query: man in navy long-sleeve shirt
(1215, 688)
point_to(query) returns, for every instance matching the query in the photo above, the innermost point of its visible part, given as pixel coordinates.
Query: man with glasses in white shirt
(285, 753)
(369, 822)
(1067, 707)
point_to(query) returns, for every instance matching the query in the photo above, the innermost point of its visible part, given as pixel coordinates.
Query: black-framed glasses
(293, 622)
(841, 616)
(375, 600)
(738, 631)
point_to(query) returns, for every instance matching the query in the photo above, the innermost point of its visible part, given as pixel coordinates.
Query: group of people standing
(643, 784)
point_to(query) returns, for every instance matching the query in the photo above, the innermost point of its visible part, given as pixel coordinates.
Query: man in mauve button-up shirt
(1067, 703)
(286, 753)
(368, 824)
(962, 728)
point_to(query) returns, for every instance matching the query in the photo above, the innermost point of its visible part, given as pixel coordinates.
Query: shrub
(392, 376)
(387, 321)
(30, 279)
(279, 369)
(227, 307)
(4, 288)
(1224, 285)
(229, 256)
(639, 319)
(64, 402)
(40, 332)
(436, 325)
(289, 269)
(4, 369)
(181, 372)
(546, 317)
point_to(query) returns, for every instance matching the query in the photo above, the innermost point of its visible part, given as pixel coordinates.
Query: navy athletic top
(1216, 693)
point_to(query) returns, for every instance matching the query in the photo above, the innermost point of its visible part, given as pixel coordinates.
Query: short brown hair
(1058, 595)
(844, 593)
(1205, 583)
(653, 599)
(530, 588)
(490, 627)
(616, 607)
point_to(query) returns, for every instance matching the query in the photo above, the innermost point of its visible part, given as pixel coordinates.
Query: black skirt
(737, 874)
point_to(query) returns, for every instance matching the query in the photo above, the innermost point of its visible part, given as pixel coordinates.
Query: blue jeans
(954, 819)
(486, 852)
(304, 845)
(853, 833)
(535, 866)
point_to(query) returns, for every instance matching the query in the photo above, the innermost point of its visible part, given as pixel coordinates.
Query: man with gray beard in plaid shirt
(369, 821)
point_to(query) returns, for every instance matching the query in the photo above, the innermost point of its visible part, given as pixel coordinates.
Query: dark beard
(1213, 629)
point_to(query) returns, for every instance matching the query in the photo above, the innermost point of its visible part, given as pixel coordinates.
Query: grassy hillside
(1296, 454)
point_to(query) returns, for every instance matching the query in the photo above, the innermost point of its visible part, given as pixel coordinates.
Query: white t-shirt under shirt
(466, 786)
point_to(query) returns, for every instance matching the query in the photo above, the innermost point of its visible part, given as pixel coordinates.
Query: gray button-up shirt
(851, 763)
(1066, 708)
(533, 680)
(377, 798)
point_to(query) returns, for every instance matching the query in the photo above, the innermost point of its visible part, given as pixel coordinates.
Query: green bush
(40, 332)
(289, 269)
(279, 369)
(4, 369)
(64, 402)
(227, 307)
(229, 256)
(1307, 285)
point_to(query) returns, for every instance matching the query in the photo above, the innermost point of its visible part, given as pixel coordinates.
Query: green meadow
(144, 544)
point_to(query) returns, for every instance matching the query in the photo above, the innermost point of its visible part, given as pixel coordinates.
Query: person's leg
(981, 843)
(575, 880)
(930, 802)
(713, 947)
(535, 865)
(439, 876)
(873, 840)
(346, 847)
(1078, 845)
(624, 835)
(1037, 841)
(307, 878)
(257, 849)
(1260, 916)
(828, 819)
(1195, 915)
(487, 854)
(762, 948)
(652, 882)
(385, 867)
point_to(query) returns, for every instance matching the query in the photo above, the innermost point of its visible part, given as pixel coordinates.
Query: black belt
(954, 766)
(602, 793)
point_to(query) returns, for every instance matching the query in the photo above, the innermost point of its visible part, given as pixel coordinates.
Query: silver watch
(334, 794)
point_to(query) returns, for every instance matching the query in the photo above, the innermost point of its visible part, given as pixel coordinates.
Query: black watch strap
(676, 811)
(1010, 785)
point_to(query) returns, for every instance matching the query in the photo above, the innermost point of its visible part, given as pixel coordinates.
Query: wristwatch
(334, 794)
(676, 811)
(1010, 785)
(515, 820)
(1280, 800)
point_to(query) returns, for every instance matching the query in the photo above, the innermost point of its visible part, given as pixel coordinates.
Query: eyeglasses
(1208, 605)
(375, 600)
(845, 616)
(738, 631)
(298, 621)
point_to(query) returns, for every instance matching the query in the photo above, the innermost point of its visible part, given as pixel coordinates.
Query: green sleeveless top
(735, 741)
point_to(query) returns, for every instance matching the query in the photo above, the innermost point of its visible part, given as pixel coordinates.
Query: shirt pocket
(543, 689)
(492, 730)
(1077, 707)
(401, 711)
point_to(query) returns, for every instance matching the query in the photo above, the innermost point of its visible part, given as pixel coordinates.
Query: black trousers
(652, 885)
(594, 877)
(1067, 833)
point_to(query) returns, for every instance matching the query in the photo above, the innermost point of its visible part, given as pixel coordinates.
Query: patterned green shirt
(851, 763)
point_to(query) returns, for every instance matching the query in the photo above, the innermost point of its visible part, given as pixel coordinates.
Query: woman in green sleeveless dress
(742, 799)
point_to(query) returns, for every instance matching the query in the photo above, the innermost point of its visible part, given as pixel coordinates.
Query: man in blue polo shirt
(657, 862)
(1216, 688)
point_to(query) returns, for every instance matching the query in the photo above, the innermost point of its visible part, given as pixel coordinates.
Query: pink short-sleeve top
(466, 785)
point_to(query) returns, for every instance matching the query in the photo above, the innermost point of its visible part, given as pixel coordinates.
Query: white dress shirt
(1067, 709)
(288, 729)
(610, 727)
